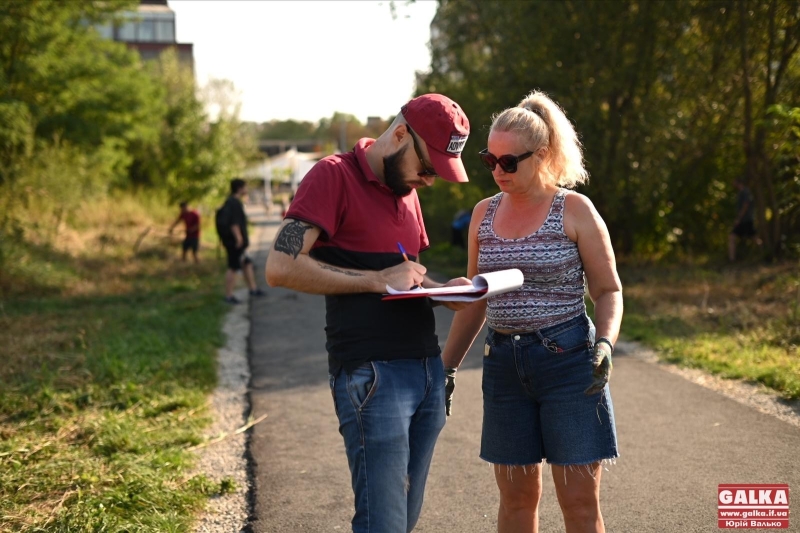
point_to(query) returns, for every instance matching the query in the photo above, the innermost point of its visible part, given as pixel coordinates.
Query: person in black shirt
(355, 227)
(743, 226)
(232, 229)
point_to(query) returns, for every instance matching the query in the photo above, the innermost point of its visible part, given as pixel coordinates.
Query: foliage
(441, 203)
(192, 158)
(669, 112)
(287, 130)
(339, 130)
(784, 137)
(76, 126)
(95, 95)
(16, 138)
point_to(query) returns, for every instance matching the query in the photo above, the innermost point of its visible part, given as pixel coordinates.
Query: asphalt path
(678, 440)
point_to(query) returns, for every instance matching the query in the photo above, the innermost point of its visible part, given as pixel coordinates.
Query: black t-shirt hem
(353, 361)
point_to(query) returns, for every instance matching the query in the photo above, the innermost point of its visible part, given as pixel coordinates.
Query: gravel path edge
(229, 408)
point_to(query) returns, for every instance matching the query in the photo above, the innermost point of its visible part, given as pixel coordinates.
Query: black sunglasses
(507, 162)
(427, 172)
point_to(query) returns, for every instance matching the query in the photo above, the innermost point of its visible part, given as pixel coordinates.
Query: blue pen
(405, 256)
(402, 251)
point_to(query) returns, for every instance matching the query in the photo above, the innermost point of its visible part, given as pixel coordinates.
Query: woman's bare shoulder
(580, 215)
(481, 207)
(579, 205)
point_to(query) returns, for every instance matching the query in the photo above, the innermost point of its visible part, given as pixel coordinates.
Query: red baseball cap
(444, 127)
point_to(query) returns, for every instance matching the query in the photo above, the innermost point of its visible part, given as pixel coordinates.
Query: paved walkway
(678, 440)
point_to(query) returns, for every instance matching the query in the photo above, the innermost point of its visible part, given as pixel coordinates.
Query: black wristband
(607, 341)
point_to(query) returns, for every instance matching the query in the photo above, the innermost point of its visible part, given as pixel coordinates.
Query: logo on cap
(457, 143)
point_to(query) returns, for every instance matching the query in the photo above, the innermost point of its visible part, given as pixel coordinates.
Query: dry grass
(104, 248)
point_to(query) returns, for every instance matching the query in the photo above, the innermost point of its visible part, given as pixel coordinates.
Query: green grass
(736, 322)
(105, 380)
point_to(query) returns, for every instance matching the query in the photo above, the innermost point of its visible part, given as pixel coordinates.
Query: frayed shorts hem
(603, 461)
(612, 460)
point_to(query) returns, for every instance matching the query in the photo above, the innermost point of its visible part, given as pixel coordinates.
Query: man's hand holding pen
(405, 258)
(404, 276)
(417, 273)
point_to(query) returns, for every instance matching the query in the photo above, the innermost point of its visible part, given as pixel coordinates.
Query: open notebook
(483, 286)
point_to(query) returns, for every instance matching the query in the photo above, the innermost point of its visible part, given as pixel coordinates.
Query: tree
(193, 157)
(287, 130)
(655, 90)
(769, 38)
(89, 105)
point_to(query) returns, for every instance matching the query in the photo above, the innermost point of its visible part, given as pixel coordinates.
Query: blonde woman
(546, 365)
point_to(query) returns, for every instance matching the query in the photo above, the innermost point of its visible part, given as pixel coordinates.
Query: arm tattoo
(334, 269)
(290, 239)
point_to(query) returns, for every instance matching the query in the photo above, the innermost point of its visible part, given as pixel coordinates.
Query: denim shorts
(534, 407)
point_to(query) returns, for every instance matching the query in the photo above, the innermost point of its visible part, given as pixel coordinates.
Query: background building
(149, 30)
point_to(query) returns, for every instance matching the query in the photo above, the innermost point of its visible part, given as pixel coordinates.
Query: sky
(304, 59)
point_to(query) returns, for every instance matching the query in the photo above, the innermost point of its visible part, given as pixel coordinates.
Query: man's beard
(393, 175)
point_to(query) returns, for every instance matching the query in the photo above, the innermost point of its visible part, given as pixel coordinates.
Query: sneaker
(258, 292)
(232, 300)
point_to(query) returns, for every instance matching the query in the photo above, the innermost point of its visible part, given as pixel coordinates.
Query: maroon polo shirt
(361, 222)
(191, 220)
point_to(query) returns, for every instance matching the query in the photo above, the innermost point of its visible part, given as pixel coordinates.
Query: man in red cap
(354, 227)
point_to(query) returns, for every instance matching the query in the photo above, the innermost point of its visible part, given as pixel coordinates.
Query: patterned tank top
(554, 285)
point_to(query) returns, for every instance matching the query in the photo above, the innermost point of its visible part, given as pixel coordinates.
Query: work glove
(449, 387)
(602, 366)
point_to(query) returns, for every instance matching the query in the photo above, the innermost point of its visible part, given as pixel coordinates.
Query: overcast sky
(305, 60)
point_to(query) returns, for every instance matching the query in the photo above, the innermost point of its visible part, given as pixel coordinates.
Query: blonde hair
(540, 123)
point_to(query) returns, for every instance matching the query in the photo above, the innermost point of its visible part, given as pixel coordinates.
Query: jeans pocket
(361, 385)
(572, 340)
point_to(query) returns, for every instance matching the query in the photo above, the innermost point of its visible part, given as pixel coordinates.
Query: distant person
(340, 238)
(232, 229)
(744, 224)
(546, 366)
(191, 221)
(459, 226)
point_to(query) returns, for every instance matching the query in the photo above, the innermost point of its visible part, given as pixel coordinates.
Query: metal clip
(551, 345)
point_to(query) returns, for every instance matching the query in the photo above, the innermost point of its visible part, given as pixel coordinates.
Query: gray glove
(449, 388)
(602, 366)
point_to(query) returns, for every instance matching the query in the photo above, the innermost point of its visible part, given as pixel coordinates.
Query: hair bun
(530, 104)
(537, 110)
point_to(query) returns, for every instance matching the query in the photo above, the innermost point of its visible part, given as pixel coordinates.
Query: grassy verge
(108, 358)
(737, 322)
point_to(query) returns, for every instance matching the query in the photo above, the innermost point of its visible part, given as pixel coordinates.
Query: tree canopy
(81, 115)
(672, 99)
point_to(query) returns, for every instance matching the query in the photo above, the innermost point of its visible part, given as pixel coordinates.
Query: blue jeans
(390, 415)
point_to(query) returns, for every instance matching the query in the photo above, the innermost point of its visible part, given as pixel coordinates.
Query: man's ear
(399, 134)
